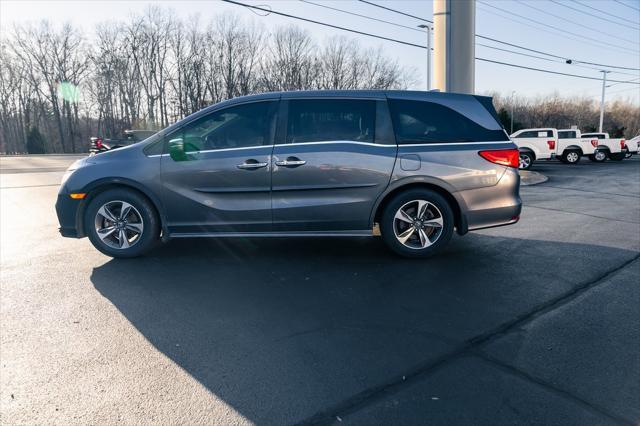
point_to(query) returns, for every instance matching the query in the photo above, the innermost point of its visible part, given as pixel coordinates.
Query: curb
(531, 178)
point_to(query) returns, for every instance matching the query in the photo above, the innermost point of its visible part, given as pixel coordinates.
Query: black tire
(619, 156)
(438, 237)
(628, 154)
(599, 159)
(571, 157)
(526, 160)
(143, 213)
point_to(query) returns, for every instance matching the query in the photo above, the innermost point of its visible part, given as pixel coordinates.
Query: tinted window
(234, 127)
(536, 134)
(425, 122)
(566, 135)
(528, 134)
(316, 120)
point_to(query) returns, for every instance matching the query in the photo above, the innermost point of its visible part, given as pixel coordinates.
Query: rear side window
(567, 135)
(536, 134)
(317, 120)
(428, 122)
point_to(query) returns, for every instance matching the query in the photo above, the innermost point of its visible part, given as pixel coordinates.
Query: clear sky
(612, 38)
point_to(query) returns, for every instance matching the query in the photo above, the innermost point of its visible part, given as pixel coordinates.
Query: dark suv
(316, 163)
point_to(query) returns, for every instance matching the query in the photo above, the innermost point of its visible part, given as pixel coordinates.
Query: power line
(550, 71)
(635, 43)
(528, 19)
(362, 16)
(606, 13)
(478, 44)
(586, 13)
(324, 23)
(555, 61)
(625, 4)
(395, 11)
(413, 44)
(531, 23)
(565, 58)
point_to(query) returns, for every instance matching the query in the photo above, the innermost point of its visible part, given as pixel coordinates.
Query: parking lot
(531, 323)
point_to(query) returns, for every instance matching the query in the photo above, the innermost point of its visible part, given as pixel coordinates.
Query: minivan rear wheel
(417, 223)
(122, 223)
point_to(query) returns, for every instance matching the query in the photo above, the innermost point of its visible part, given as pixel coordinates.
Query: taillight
(99, 143)
(504, 157)
(552, 144)
(622, 144)
(594, 143)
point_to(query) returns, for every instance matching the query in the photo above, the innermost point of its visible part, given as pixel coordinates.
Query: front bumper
(68, 210)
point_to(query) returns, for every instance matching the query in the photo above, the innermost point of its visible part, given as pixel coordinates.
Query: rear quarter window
(418, 122)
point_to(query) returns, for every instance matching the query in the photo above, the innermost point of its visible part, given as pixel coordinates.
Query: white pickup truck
(572, 145)
(614, 149)
(633, 147)
(535, 144)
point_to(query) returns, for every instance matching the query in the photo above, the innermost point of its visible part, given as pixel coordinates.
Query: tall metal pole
(512, 93)
(604, 84)
(428, 28)
(454, 28)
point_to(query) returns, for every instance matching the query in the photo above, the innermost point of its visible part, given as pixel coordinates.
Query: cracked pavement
(531, 323)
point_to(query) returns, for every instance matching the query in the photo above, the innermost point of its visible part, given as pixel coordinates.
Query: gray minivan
(418, 165)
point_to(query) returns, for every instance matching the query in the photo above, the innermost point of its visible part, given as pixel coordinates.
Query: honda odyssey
(415, 165)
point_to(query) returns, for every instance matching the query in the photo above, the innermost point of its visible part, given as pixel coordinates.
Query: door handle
(291, 162)
(251, 164)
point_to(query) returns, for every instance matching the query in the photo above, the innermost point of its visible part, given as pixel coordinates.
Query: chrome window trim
(341, 142)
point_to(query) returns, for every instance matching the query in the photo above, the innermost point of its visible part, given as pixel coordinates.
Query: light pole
(512, 93)
(428, 28)
(604, 85)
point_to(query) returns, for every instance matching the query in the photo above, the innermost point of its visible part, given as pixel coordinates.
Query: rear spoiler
(487, 103)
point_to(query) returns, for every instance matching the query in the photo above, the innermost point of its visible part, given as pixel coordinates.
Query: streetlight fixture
(428, 27)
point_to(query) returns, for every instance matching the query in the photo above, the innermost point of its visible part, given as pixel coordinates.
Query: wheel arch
(529, 150)
(98, 187)
(573, 148)
(442, 188)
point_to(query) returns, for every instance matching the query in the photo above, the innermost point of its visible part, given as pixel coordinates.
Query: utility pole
(604, 85)
(428, 28)
(454, 28)
(512, 93)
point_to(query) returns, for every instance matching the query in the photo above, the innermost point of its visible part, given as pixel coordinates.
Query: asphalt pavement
(535, 323)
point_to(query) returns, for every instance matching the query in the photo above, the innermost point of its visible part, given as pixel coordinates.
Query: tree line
(59, 86)
(621, 119)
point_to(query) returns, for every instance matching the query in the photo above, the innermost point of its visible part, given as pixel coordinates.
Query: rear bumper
(67, 211)
(492, 206)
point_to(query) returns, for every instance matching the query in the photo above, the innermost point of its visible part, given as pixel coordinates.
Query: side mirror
(176, 150)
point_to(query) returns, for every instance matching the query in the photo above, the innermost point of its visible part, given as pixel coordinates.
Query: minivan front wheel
(417, 223)
(121, 223)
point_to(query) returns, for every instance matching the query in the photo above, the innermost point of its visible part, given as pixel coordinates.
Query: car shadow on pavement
(280, 329)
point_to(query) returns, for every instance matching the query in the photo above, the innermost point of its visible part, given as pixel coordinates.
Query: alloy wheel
(118, 224)
(525, 161)
(418, 224)
(600, 155)
(573, 157)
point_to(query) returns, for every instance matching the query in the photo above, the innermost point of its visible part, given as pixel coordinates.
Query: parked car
(535, 144)
(310, 164)
(98, 145)
(633, 147)
(613, 149)
(572, 146)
